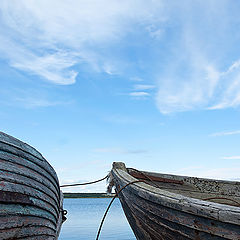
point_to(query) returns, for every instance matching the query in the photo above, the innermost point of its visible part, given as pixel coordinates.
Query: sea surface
(84, 217)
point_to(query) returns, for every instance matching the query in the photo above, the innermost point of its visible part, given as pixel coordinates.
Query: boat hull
(154, 215)
(30, 197)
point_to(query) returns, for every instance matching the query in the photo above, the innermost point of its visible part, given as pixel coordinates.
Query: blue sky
(155, 84)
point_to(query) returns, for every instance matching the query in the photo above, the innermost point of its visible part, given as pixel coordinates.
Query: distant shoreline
(88, 195)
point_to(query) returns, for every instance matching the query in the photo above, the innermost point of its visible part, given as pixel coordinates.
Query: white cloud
(232, 158)
(53, 67)
(36, 102)
(49, 38)
(225, 133)
(187, 54)
(140, 87)
(139, 94)
(199, 73)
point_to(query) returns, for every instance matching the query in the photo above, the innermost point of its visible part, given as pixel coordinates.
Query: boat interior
(218, 191)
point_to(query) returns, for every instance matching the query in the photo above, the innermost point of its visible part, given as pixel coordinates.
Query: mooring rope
(82, 184)
(145, 175)
(105, 214)
(109, 205)
(224, 198)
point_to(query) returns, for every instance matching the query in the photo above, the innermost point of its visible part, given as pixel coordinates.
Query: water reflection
(84, 216)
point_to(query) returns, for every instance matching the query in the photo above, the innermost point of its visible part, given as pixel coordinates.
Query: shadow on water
(84, 216)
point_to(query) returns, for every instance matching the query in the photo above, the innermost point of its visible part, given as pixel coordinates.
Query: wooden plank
(36, 197)
(21, 170)
(19, 144)
(61, 218)
(18, 209)
(184, 224)
(18, 152)
(39, 237)
(15, 221)
(28, 231)
(19, 198)
(228, 188)
(11, 158)
(30, 196)
(6, 176)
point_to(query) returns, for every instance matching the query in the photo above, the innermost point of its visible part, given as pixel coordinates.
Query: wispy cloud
(232, 158)
(53, 67)
(52, 39)
(141, 87)
(120, 151)
(139, 94)
(218, 134)
(187, 55)
(36, 102)
(197, 75)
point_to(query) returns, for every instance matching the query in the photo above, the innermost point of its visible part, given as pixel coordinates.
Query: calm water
(84, 217)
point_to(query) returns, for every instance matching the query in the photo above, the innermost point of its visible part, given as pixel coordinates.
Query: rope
(229, 199)
(144, 176)
(81, 184)
(105, 214)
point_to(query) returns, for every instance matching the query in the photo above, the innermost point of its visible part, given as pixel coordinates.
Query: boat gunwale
(182, 177)
(217, 211)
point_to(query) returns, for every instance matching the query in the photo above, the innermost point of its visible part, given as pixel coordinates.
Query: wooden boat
(178, 207)
(30, 197)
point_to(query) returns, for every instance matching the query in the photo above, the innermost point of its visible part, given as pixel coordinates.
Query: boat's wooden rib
(15, 197)
(23, 172)
(22, 162)
(33, 195)
(169, 213)
(32, 183)
(30, 196)
(17, 221)
(24, 157)
(39, 237)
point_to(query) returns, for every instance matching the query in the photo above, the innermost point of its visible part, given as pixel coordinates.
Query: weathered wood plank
(11, 158)
(151, 210)
(19, 144)
(185, 224)
(17, 221)
(17, 152)
(16, 144)
(227, 188)
(19, 209)
(30, 197)
(21, 170)
(7, 176)
(36, 197)
(28, 231)
(39, 237)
